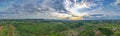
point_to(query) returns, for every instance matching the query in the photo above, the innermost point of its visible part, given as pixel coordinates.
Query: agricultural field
(42, 27)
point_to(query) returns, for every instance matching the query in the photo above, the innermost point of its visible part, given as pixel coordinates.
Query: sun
(75, 18)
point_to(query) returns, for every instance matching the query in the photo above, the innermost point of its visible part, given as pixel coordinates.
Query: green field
(59, 28)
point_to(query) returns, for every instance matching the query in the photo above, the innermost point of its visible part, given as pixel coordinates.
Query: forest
(41, 27)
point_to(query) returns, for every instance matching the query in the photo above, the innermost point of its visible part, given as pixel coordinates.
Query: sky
(60, 9)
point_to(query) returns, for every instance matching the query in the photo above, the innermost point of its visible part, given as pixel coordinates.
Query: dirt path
(1, 29)
(11, 31)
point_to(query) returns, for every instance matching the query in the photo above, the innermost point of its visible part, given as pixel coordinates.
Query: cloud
(67, 16)
(56, 9)
(50, 8)
(117, 3)
(61, 15)
(75, 8)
